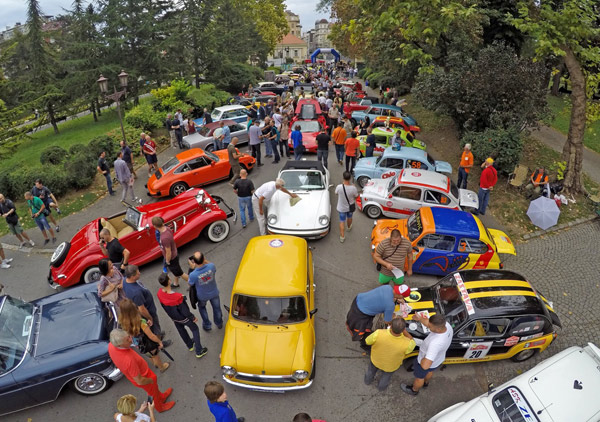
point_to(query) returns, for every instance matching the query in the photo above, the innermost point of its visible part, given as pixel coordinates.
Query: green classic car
(383, 138)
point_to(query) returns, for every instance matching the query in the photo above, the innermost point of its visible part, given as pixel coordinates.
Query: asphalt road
(341, 271)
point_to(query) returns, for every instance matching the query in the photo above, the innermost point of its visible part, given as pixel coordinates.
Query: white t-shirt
(267, 190)
(139, 417)
(435, 345)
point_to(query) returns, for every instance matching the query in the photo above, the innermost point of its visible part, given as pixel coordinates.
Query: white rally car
(563, 388)
(310, 217)
(399, 196)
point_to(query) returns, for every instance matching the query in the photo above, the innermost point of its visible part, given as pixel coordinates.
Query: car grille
(266, 379)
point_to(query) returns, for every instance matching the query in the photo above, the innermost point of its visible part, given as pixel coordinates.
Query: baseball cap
(402, 290)
(489, 160)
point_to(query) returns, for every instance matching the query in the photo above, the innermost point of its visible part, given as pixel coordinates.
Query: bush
(207, 96)
(80, 170)
(22, 180)
(79, 149)
(231, 76)
(104, 143)
(53, 155)
(132, 136)
(144, 117)
(505, 144)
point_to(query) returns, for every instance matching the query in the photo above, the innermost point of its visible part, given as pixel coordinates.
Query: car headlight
(228, 370)
(323, 220)
(272, 219)
(300, 375)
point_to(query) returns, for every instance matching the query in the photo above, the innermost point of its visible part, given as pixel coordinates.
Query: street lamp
(116, 95)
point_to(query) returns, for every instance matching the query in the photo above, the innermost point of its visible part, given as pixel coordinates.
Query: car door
(436, 254)
(381, 143)
(405, 200)
(200, 172)
(481, 338)
(16, 395)
(142, 244)
(436, 198)
(239, 131)
(388, 167)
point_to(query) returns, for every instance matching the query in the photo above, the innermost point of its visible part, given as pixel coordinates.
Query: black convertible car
(53, 342)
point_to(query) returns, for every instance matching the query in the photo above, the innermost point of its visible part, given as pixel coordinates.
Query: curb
(27, 250)
(570, 224)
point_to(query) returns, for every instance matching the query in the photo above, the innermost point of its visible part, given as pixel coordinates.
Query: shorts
(151, 159)
(344, 215)
(419, 372)
(15, 228)
(42, 223)
(385, 279)
(130, 166)
(174, 267)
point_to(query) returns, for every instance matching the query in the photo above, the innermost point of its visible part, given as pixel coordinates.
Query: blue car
(377, 110)
(53, 342)
(391, 162)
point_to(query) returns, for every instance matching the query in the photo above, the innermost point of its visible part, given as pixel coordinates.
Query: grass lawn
(561, 107)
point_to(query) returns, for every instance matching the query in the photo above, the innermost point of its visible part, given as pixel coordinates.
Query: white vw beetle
(310, 217)
(399, 196)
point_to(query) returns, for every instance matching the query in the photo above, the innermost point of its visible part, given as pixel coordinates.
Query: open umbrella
(543, 212)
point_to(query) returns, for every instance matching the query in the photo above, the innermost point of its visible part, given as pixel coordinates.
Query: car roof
(230, 107)
(387, 107)
(406, 152)
(303, 165)
(451, 221)
(273, 266)
(425, 178)
(189, 154)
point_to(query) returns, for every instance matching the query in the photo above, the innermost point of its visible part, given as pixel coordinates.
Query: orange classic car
(194, 167)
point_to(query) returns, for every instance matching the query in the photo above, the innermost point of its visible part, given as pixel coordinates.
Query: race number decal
(478, 350)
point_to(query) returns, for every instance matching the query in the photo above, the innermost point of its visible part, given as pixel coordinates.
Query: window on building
(295, 53)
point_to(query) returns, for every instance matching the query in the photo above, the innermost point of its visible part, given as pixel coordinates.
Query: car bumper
(307, 234)
(155, 193)
(54, 284)
(112, 373)
(268, 388)
(230, 212)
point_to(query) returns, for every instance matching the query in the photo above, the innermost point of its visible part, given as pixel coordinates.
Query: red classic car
(394, 122)
(188, 215)
(310, 129)
(356, 104)
(309, 109)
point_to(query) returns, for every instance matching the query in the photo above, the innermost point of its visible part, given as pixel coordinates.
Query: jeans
(256, 152)
(384, 381)
(268, 147)
(127, 188)
(298, 153)
(484, 198)
(179, 136)
(284, 148)
(369, 151)
(274, 143)
(180, 326)
(155, 323)
(462, 178)
(245, 202)
(350, 163)
(109, 182)
(217, 145)
(215, 302)
(323, 155)
(339, 152)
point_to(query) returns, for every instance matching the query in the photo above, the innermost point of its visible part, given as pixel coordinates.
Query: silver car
(204, 139)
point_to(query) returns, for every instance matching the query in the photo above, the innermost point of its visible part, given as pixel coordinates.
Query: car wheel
(91, 275)
(178, 188)
(353, 123)
(90, 384)
(60, 254)
(217, 231)
(373, 212)
(362, 181)
(209, 148)
(409, 364)
(523, 355)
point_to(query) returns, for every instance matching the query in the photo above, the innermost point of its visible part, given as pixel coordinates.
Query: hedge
(505, 145)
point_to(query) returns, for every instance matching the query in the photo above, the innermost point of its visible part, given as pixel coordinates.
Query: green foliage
(504, 144)
(275, 69)
(234, 76)
(560, 168)
(21, 180)
(207, 96)
(53, 155)
(144, 117)
(103, 143)
(80, 170)
(78, 149)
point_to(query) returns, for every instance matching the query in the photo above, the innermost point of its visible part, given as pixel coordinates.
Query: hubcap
(94, 276)
(90, 383)
(218, 230)
(58, 251)
(179, 189)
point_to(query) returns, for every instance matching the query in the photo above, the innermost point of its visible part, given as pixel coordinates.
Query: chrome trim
(112, 373)
(274, 389)
(265, 376)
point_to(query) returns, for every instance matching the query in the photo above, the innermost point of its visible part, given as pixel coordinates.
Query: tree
(569, 29)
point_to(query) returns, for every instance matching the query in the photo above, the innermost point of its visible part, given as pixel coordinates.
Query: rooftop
(290, 39)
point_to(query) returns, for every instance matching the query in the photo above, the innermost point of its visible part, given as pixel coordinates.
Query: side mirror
(226, 308)
(491, 386)
(314, 311)
(212, 163)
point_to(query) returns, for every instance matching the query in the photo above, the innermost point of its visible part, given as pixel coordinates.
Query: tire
(91, 275)
(373, 212)
(353, 122)
(210, 148)
(523, 355)
(409, 364)
(90, 384)
(362, 181)
(60, 254)
(178, 188)
(217, 231)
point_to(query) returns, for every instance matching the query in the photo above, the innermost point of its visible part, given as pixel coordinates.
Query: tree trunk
(556, 80)
(93, 110)
(98, 108)
(573, 149)
(52, 117)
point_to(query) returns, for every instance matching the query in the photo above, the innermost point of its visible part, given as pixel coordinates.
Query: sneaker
(7, 261)
(408, 389)
(203, 352)
(349, 227)
(191, 349)
(22, 244)
(275, 162)
(53, 240)
(3, 265)
(46, 241)
(220, 326)
(425, 385)
(32, 243)
(58, 210)
(243, 226)
(260, 165)
(207, 329)
(57, 228)
(342, 238)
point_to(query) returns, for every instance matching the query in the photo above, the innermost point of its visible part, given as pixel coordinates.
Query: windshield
(414, 225)
(269, 310)
(212, 156)
(132, 217)
(308, 126)
(454, 190)
(392, 183)
(215, 115)
(511, 406)
(170, 165)
(448, 296)
(203, 131)
(16, 321)
(303, 180)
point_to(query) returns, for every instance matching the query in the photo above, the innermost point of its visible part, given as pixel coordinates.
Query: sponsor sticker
(276, 243)
(416, 174)
(464, 294)
(531, 337)
(522, 404)
(511, 341)
(478, 350)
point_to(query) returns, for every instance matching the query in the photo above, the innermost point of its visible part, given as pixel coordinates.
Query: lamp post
(116, 95)
(287, 54)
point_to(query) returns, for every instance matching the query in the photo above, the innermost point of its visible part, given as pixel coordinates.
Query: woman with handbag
(146, 341)
(110, 286)
(346, 205)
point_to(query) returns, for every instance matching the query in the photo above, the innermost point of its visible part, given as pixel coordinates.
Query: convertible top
(304, 165)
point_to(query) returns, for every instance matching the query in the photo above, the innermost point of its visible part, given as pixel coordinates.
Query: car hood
(377, 187)
(85, 240)
(266, 353)
(468, 199)
(195, 140)
(368, 162)
(502, 241)
(443, 167)
(70, 318)
(474, 410)
(305, 214)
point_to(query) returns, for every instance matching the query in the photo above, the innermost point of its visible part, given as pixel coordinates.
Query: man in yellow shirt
(388, 349)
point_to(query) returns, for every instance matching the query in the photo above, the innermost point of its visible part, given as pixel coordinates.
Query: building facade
(293, 21)
(290, 47)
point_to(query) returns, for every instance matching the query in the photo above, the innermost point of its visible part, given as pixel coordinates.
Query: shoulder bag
(352, 206)
(379, 266)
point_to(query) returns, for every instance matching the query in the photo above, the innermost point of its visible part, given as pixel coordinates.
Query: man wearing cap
(389, 346)
(367, 305)
(261, 198)
(489, 177)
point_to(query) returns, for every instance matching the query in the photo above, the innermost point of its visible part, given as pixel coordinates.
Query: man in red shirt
(136, 370)
(489, 177)
(149, 150)
(352, 146)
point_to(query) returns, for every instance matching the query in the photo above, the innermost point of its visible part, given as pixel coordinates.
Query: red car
(188, 215)
(394, 122)
(358, 104)
(310, 129)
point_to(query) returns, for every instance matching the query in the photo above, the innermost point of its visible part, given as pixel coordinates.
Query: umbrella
(543, 212)
(167, 354)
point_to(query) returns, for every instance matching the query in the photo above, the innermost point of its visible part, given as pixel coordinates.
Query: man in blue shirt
(296, 137)
(142, 297)
(226, 135)
(203, 279)
(366, 305)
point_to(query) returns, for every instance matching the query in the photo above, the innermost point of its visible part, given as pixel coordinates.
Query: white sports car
(310, 217)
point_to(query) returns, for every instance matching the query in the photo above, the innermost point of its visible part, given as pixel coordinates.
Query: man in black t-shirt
(371, 143)
(48, 199)
(176, 126)
(323, 141)
(105, 170)
(244, 189)
(113, 249)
